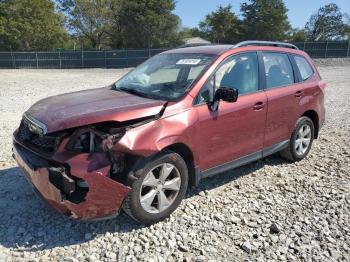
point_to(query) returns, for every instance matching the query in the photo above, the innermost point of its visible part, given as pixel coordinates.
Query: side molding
(243, 160)
(275, 148)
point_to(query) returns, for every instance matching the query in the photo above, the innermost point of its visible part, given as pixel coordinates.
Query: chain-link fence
(77, 59)
(330, 49)
(133, 57)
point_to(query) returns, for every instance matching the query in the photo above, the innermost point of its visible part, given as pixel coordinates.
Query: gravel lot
(268, 210)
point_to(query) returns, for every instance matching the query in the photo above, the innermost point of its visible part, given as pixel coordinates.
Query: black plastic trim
(275, 148)
(297, 75)
(300, 78)
(244, 160)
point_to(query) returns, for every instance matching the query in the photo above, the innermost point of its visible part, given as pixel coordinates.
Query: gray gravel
(268, 210)
(333, 62)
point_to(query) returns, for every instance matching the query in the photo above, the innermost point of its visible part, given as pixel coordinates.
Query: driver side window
(239, 71)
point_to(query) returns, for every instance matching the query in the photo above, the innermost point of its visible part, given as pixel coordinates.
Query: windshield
(165, 76)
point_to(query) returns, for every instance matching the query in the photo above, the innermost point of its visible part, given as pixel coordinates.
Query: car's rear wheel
(300, 141)
(158, 189)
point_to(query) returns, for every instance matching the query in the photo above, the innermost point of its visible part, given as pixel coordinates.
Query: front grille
(45, 143)
(24, 133)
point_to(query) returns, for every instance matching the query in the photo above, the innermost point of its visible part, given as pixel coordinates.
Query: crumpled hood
(91, 106)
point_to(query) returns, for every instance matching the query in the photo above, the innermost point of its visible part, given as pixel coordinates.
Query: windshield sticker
(188, 62)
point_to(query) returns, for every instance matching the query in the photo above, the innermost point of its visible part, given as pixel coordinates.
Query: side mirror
(226, 94)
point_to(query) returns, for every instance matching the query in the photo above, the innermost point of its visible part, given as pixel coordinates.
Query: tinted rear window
(304, 67)
(278, 69)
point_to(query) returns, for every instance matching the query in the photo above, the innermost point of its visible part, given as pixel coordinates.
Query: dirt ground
(228, 218)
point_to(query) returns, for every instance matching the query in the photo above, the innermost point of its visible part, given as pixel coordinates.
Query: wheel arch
(186, 153)
(312, 114)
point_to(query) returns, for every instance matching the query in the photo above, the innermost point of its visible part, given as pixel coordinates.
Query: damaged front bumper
(76, 185)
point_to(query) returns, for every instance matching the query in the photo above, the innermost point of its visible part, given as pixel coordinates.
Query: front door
(234, 130)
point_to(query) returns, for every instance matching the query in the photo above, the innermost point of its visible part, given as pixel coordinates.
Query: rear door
(283, 97)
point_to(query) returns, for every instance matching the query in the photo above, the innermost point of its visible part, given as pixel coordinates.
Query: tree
(265, 19)
(326, 24)
(89, 20)
(122, 23)
(296, 35)
(30, 25)
(186, 32)
(144, 23)
(221, 26)
(347, 27)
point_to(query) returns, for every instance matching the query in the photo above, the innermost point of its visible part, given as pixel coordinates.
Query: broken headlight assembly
(99, 140)
(87, 142)
(103, 136)
(92, 140)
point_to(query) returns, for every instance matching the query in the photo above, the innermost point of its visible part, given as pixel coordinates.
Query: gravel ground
(333, 62)
(268, 210)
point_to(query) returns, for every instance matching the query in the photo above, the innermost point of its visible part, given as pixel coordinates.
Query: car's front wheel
(158, 189)
(300, 141)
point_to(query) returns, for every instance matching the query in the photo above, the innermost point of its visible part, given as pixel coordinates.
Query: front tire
(300, 141)
(158, 187)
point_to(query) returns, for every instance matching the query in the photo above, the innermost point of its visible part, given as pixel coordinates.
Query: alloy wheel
(303, 139)
(160, 188)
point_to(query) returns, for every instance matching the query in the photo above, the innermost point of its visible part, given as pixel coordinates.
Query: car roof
(218, 49)
(203, 49)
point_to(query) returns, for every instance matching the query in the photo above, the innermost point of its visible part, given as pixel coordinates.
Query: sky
(193, 11)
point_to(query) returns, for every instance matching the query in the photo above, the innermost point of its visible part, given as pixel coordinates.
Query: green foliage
(221, 26)
(122, 23)
(89, 20)
(265, 19)
(297, 35)
(189, 33)
(30, 25)
(144, 23)
(326, 24)
(105, 24)
(347, 26)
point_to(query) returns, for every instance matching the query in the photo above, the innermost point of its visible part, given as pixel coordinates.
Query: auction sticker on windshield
(188, 62)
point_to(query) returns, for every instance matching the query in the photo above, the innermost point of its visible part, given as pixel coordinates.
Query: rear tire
(158, 186)
(301, 140)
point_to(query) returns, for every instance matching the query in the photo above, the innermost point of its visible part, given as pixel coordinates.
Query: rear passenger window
(278, 69)
(304, 67)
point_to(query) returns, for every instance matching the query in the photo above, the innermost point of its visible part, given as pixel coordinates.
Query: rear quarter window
(304, 67)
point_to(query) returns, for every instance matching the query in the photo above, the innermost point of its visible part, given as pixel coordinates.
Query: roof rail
(194, 45)
(265, 43)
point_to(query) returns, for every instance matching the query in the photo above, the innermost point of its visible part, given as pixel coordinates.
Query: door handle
(299, 93)
(258, 106)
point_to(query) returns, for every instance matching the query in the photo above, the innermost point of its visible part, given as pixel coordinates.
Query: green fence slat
(122, 58)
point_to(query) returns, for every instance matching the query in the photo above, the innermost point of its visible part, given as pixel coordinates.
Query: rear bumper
(103, 199)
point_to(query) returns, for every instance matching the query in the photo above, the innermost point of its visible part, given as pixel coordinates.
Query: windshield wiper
(133, 91)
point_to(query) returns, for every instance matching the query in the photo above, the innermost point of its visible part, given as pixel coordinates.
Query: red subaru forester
(181, 116)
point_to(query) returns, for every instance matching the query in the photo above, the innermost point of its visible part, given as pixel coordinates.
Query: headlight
(34, 125)
(86, 142)
(89, 140)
